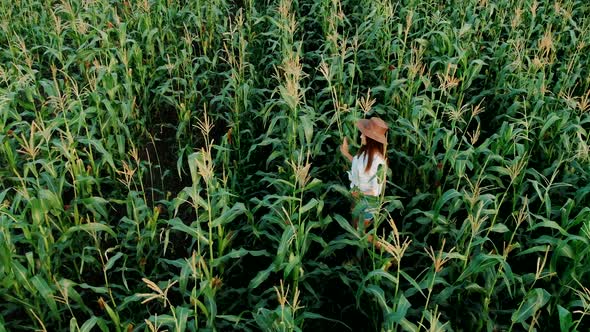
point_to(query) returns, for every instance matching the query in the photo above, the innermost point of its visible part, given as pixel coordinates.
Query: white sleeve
(353, 173)
(375, 180)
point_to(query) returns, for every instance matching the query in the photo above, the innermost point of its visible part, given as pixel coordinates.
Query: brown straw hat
(374, 128)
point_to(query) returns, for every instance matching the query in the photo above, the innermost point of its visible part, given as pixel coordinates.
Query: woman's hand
(344, 149)
(344, 146)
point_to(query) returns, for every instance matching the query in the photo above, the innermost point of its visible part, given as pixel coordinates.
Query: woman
(368, 166)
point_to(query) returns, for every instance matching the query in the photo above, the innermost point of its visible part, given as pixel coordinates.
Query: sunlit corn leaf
(408, 326)
(96, 205)
(378, 294)
(100, 148)
(400, 313)
(312, 315)
(46, 293)
(346, 225)
(534, 301)
(89, 228)
(499, 228)
(196, 234)
(307, 126)
(112, 261)
(479, 264)
(229, 215)
(98, 290)
(162, 320)
(182, 314)
(91, 322)
(238, 253)
(74, 325)
(309, 205)
(416, 288)
(293, 263)
(72, 294)
(546, 223)
(260, 277)
(284, 245)
(565, 318)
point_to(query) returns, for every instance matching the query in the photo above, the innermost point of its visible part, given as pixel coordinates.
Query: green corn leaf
(89, 228)
(534, 300)
(50, 199)
(293, 263)
(565, 250)
(100, 148)
(89, 324)
(260, 277)
(102, 325)
(473, 70)
(265, 318)
(539, 248)
(501, 170)
(473, 287)
(179, 225)
(46, 292)
(499, 228)
(229, 215)
(72, 293)
(284, 245)
(233, 254)
(546, 223)
(548, 123)
(182, 314)
(479, 264)
(346, 225)
(73, 325)
(402, 305)
(377, 274)
(163, 320)
(447, 196)
(114, 316)
(415, 288)
(230, 318)
(307, 126)
(565, 319)
(22, 275)
(377, 293)
(312, 315)
(112, 261)
(96, 205)
(408, 326)
(308, 206)
(98, 290)
(37, 211)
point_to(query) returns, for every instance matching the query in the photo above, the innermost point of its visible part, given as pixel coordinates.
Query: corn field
(174, 165)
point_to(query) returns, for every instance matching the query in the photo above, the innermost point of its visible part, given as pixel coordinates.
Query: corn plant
(172, 165)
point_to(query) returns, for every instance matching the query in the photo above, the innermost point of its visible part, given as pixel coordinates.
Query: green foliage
(175, 165)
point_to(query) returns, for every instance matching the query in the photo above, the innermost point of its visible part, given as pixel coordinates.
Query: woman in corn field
(367, 170)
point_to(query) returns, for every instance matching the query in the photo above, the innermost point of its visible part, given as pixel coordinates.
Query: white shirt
(367, 182)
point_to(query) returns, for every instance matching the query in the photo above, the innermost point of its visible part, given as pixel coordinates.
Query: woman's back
(367, 181)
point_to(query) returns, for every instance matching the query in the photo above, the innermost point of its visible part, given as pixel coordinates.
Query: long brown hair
(370, 149)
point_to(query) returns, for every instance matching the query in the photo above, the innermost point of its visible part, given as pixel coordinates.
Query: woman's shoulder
(359, 157)
(362, 158)
(357, 161)
(379, 158)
